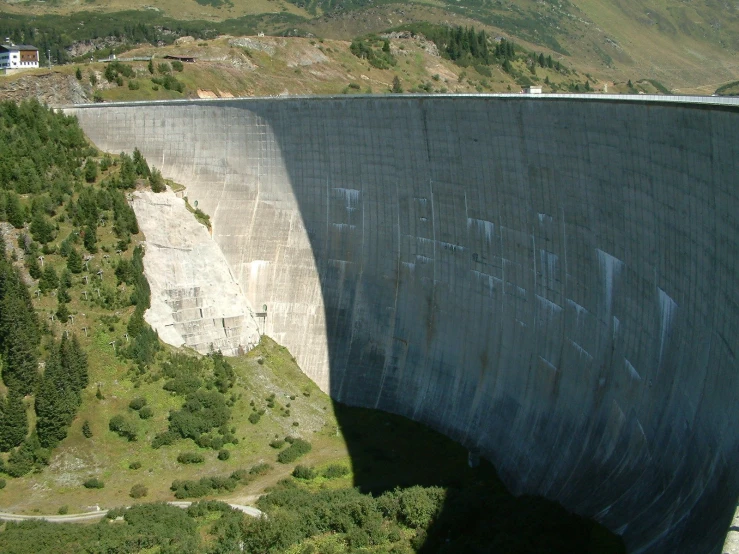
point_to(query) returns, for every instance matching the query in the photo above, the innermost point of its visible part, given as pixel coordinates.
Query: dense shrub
(146, 412)
(208, 485)
(224, 455)
(304, 472)
(260, 469)
(254, 418)
(137, 403)
(297, 449)
(334, 471)
(164, 439)
(93, 483)
(134, 465)
(183, 385)
(202, 411)
(123, 427)
(138, 491)
(190, 458)
(277, 444)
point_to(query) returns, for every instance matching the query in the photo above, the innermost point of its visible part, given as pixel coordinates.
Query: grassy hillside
(689, 47)
(265, 66)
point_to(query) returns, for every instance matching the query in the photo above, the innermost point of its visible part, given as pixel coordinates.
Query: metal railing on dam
(550, 281)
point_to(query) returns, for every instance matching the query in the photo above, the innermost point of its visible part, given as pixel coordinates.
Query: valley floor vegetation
(94, 409)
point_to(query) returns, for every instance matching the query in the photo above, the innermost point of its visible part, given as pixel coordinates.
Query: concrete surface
(551, 282)
(195, 300)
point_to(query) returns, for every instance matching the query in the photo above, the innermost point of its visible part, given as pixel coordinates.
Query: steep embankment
(195, 300)
(556, 294)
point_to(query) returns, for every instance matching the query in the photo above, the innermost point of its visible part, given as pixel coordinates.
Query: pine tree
(62, 312)
(397, 88)
(49, 279)
(90, 239)
(56, 402)
(14, 426)
(91, 170)
(14, 211)
(74, 261)
(34, 270)
(74, 359)
(19, 338)
(156, 181)
(140, 165)
(65, 280)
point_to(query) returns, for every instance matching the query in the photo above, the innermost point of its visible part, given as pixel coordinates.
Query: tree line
(49, 177)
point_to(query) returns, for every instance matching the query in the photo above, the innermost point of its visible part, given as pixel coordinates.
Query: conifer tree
(14, 426)
(34, 270)
(19, 335)
(49, 279)
(56, 403)
(74, 261)
(140, 164)
(90, 239)
(62, 312)
(14, 211)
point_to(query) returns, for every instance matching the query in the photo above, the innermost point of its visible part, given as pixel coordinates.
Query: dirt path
(98, 514)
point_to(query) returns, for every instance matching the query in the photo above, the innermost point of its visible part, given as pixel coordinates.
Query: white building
(18, 56)
(532, 90)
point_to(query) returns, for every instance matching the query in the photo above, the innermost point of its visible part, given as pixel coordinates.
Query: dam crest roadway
(550, 281)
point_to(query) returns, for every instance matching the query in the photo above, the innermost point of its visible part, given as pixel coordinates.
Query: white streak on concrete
(487, 227)
(667, 309)
(632, 370)
(610, 267)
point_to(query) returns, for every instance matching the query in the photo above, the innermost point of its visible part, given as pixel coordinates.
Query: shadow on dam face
(551, 283)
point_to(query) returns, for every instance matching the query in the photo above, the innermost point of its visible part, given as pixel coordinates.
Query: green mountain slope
(687, 46)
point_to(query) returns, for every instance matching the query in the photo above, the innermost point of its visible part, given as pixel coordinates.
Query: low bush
(304, 472)
(334, 471)
(93, 483)
(137, 403)
(164, 439)
(277, 444)
(138, 491)
(208, 485)
(123, 427)
(134, 465)
(63, 510)
(224, 455)
(190, 458)
(260, 469)
(254, 418)
(146, 412)
(297, 449)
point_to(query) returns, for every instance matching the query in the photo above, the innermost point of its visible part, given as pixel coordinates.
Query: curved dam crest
(553, 283)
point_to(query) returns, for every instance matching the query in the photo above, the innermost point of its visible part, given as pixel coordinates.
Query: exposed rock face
(53, 89)
(195, 300)
(552, 282)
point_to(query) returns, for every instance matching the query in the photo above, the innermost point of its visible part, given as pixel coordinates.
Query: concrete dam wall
(553, 283)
